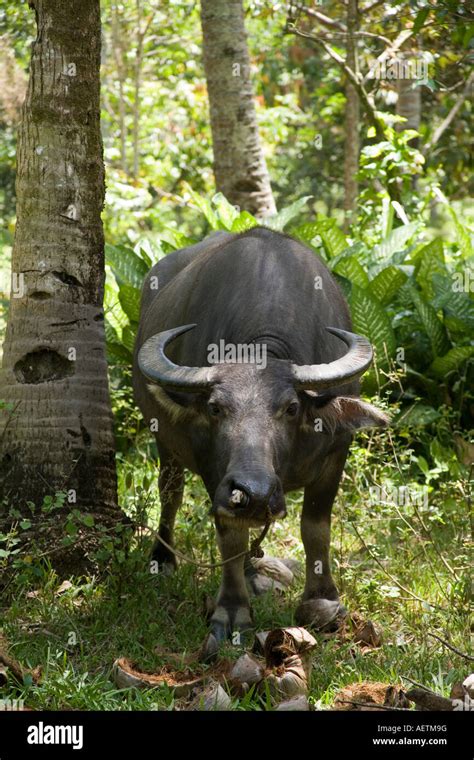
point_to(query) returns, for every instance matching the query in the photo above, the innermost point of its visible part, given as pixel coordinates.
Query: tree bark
(56, 433)
(239, 164)
(409, 102)
(352, 116)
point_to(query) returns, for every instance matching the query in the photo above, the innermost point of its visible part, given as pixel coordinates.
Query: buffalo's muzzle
(251, 499)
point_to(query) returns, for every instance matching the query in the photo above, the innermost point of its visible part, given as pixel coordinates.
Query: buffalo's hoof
(232, 624)
(321, 614)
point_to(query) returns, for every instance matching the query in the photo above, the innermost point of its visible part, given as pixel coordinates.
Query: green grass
(75, 636)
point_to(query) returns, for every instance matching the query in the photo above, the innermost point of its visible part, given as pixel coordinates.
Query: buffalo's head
(254, 421)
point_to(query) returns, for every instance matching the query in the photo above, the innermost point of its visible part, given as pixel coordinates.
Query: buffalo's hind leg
(320, 606)
(171, 485)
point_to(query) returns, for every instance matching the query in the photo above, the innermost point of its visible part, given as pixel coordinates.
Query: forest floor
(404, 567)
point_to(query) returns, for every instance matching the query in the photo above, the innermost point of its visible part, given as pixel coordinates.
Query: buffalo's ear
(345, 414)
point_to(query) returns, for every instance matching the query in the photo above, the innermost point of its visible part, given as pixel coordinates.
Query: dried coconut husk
(273, 568)
(211, 697)
(289, 680)
(298, 704)
(247, 670)
(126, 676)
(282, 643)
(288, 659)
(468, 685)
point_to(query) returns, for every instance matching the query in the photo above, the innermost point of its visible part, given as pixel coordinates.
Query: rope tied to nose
(255, 549)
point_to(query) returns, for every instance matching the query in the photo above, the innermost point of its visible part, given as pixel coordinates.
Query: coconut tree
(56, 432)
(239, 163)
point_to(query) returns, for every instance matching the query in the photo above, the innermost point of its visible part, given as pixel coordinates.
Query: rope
(254, 551)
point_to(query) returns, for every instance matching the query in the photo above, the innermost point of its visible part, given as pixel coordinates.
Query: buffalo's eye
(214, 410)
(292, 409)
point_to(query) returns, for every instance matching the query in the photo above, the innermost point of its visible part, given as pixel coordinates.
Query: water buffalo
(252, 431)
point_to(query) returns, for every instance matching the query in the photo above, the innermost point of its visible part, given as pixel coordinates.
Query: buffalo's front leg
(320, 606)
(232, 613)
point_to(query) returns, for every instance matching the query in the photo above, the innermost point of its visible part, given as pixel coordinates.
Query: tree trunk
(352, 115)
(409, 101)
(56, 432)
(239, 164)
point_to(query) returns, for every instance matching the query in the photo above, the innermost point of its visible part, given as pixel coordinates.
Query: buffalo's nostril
(251, 491)
(238, 498)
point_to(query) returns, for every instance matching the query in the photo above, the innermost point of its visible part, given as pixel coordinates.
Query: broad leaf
(369, 319)
(434, 327)
(386, 284)
(454, 301)
(244, 221)
(352, 270)
(431, 261)
(127, 266)
(279, 221)
(394, 242)
(451, 361)
(129, 298)
(226, 212)
(333, 238)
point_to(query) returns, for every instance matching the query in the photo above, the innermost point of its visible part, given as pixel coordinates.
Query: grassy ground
(405, 567)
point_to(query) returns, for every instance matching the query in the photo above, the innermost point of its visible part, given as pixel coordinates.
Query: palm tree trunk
(56, 431)
(409, 101)
(239, 164)
(351, 142)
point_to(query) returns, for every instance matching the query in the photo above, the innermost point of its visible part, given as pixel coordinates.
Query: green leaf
(279, 221)
(128, 338)
(369, 319)
(244, 221)
(463, 236)
(88, 520)
(333, 238)
(431, 261)
(114, 313)
(71, 528)
(204, 205)
(129, 298)
(434, 327)
(386, 284)
(226, 212)
(449, 296)
(305, 232)
(350, 268)
(451, 361)
(127, 266)
(394, 242)
(116, 352)
(420, 19)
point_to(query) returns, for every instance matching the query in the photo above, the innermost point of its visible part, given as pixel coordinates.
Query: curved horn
(354, 363)
(156, 366)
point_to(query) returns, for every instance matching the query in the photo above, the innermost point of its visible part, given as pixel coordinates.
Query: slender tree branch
(439, 132)
(450, 646)
(321, 17)
(362, 92)
(388, 52)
